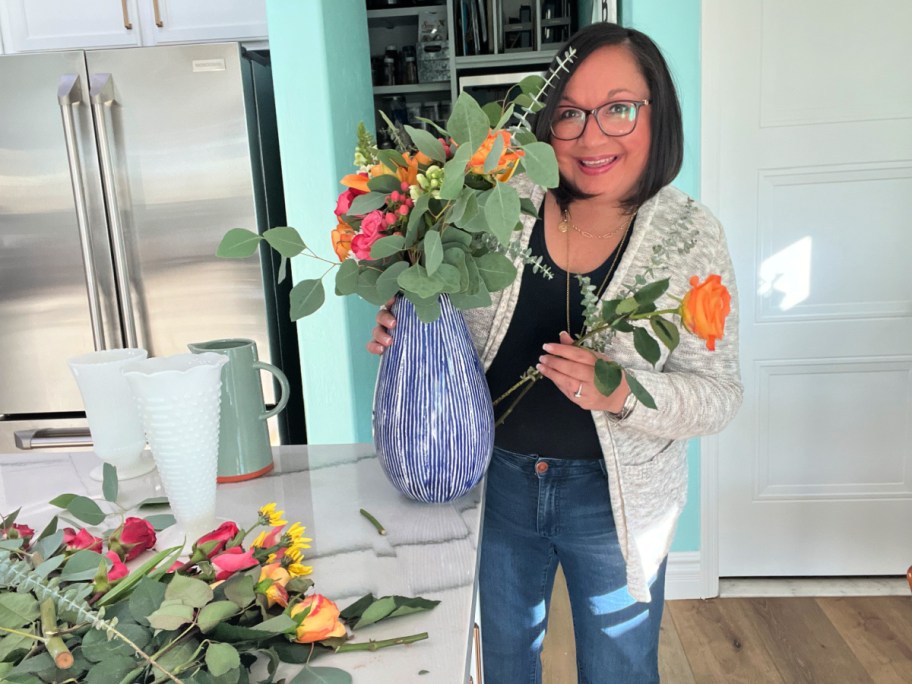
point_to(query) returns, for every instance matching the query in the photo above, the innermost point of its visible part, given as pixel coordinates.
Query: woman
(593, 482)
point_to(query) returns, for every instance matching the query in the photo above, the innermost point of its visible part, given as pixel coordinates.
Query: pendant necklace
(564, 227)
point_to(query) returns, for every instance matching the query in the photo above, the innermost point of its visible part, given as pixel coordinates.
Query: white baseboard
(687, 577)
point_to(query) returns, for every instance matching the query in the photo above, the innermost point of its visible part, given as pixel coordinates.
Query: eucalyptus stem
(530, 380)
(382, 643)
(313, 255)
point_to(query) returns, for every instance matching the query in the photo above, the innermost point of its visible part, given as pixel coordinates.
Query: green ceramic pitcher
(244, 449)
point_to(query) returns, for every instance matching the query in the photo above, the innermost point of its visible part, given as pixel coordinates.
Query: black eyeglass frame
(593, 114)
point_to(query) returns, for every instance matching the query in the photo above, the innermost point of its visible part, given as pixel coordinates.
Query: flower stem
(19, 632)
(383, 643)
(376, 523)
(530, 380)
(58, 650)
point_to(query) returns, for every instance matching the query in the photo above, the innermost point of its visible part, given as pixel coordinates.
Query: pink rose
(118, 570)
(371, 225)
(221, 536)
(76, 541)
(233, 560)
(343, 204)
(132, 538)
(17, 531)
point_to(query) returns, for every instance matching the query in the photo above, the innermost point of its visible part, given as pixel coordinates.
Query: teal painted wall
(321, 69)
(318, 45)
(675, 27)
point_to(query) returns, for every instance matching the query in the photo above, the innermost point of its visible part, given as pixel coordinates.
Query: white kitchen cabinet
(186, 21)
(36, 25)
(33, 25)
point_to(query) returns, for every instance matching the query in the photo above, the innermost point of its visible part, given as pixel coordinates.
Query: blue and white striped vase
(433, 419)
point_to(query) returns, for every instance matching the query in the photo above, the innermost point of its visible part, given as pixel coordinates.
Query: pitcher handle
(283, 382)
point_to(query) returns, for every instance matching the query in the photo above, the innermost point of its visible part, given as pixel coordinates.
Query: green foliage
(447, 201)
(163, 621)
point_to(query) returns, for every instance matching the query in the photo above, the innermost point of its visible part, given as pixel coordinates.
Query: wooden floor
(833, 640)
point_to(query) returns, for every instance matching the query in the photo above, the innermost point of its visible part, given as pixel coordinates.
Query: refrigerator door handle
(53, 438)
(101, 90)
(69, 95)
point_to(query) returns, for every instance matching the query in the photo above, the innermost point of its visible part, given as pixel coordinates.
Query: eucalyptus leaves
(434, 217)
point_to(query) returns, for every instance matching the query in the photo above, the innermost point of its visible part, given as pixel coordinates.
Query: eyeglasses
(613, 118)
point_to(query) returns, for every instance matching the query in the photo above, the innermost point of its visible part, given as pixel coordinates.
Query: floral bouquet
(432, 217)
(72, 611)
(702, 311)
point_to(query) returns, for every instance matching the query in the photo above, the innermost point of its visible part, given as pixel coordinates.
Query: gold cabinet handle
(126, 15)
(158, 18)
(477, 639)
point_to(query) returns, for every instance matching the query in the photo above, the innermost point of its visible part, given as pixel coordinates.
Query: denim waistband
(556, 466)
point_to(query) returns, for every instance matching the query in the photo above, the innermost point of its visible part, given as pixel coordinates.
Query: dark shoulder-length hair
(666, 144)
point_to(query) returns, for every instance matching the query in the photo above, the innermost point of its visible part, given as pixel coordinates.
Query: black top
(545, 422)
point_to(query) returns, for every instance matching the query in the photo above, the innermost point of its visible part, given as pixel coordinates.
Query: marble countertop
(429, 549)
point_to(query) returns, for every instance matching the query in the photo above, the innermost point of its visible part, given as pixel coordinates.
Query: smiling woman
(590, 480)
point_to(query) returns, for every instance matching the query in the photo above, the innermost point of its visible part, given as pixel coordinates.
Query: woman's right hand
(380, 337)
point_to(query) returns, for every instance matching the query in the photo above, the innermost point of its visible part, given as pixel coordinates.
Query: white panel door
(808, 162)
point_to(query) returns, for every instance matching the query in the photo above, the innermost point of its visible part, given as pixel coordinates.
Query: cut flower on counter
(113, 610)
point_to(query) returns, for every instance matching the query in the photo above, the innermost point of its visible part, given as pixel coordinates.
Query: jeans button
(541, 467)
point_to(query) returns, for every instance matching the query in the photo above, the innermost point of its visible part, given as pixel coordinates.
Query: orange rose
(704, 308)
(321, 622)
(342, 239)
(506, 165)
(273, 578)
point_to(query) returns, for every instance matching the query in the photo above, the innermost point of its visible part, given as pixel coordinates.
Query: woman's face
(595, 163)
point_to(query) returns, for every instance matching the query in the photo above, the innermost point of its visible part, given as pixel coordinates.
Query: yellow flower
(295, 553)
(297, 570)
(270, 516)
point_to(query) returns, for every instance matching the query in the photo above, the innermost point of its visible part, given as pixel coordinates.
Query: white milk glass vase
(179, 401)
(114, 421)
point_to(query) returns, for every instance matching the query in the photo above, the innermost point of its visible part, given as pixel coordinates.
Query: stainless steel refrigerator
(120, 170)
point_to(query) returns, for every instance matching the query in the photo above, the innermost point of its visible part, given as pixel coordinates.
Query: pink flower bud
(132, 538)
(403, 210)
(404, 186)
(390, 218)
(395, 196)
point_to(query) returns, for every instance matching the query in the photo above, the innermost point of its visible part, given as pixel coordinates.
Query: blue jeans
(538, 512)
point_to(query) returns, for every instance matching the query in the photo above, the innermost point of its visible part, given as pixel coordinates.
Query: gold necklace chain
(566, 224)
(617, 254)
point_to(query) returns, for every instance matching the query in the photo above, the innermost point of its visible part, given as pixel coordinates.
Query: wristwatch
(630, 403)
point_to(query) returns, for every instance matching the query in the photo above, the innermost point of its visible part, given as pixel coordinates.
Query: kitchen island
(428, 550)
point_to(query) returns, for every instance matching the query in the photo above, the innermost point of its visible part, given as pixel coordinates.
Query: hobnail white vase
(179, 401)
(117, 431)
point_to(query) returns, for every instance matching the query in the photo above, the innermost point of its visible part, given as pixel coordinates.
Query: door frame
(710, 193)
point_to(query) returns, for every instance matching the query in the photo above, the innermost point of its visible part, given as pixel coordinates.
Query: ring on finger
(579, 393)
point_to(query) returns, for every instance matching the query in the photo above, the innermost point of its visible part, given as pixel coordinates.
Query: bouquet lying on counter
(72, 610)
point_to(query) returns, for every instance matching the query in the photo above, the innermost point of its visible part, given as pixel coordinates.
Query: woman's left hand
(572, 370)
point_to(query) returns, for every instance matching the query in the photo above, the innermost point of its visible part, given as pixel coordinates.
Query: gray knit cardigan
(697, 391)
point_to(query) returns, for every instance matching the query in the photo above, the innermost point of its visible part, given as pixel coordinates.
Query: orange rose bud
(321, 622)
(704, 309)
(342, 239)
(273, 578)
